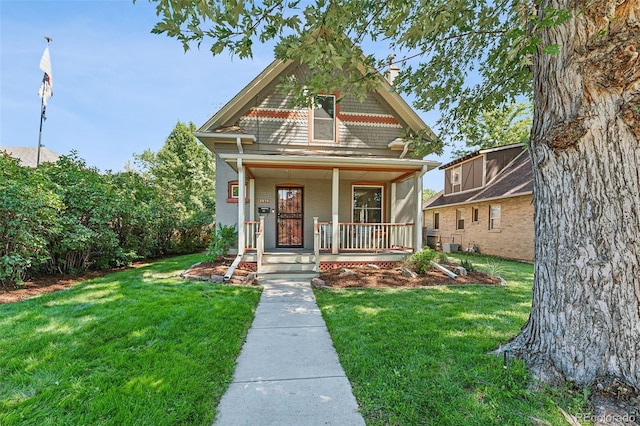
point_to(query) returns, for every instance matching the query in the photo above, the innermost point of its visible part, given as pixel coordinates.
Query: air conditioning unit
(450, 247)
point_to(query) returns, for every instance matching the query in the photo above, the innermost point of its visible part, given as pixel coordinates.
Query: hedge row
(65, 217)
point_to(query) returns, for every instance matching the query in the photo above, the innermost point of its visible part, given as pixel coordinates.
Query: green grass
(422, 356)
(139, 346)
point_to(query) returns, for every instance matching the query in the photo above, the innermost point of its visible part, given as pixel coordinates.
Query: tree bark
(585, 147)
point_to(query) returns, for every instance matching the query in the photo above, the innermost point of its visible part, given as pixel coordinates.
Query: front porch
(339, 211)
(382, 244)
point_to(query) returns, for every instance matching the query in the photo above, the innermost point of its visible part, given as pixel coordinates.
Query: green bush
(420, 260)
(222, 238)
(466, 264)
(28, 219)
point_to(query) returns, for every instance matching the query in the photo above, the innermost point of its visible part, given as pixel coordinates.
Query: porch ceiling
(318, 167)
(298, 174)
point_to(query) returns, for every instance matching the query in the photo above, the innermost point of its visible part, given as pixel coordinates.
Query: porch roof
(320, 167)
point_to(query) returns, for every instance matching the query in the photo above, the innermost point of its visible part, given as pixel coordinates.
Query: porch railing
(260, 244)
(367, 236)
(251, 235)
(316, 244)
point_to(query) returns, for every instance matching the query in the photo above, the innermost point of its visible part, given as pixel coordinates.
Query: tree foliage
(438, 44)
(184, 171)
(579, 59)
(504, 126)
(66, 217)
(28, 219)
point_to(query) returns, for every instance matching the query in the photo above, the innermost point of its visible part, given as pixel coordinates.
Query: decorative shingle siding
(366, 125)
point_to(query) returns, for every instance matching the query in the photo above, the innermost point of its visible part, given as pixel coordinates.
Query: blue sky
(118, 89)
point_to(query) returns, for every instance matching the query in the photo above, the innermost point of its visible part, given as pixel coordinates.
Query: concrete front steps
(287, 265)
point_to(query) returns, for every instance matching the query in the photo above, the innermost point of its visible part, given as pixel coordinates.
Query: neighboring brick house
(486, 203)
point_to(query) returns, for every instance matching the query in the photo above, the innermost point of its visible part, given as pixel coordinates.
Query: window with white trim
(456, 175)
(494, 216)
(459, 219)
(367, 202)
(324, 118)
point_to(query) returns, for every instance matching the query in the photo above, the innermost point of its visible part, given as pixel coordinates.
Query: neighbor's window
(324, 118)
(459, 219)
(436, 221)
(456, 175)
(494, 217)
(367, 204)
(475, 214)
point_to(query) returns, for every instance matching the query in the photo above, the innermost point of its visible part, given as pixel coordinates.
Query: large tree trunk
(585, 318)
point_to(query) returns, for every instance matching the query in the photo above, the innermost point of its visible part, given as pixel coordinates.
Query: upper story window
(436, 221)
(367, 204)
(456, 175)
(324, 118)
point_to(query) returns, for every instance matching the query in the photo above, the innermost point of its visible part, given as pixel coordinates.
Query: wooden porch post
(392, 217)
(252, 200)
(335, 225)
(241, 197)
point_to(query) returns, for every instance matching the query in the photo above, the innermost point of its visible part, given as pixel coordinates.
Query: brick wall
(514, 239)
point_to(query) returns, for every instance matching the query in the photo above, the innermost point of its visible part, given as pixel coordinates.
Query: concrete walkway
(288, 371)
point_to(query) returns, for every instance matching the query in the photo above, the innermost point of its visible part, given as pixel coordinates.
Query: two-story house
(333, 180)
(486, 203)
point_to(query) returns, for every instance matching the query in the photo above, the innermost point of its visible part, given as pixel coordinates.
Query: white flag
(46, 88)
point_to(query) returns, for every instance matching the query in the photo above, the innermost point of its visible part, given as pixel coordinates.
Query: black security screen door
(290, 220)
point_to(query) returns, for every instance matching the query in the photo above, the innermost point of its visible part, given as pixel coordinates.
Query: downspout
(405, 149)
(239, 144)
(238, 258)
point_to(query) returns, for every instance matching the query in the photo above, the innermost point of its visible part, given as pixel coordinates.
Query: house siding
(514, 239)
(497, 160)
(361, 125)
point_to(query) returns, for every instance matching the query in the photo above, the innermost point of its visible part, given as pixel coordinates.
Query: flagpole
(43, 109)
(42, 116)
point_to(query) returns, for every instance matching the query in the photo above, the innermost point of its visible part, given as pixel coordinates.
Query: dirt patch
(44, 284)
(366, 277)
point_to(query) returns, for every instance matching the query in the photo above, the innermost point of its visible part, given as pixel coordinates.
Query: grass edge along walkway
(140, 346)
(420, 356)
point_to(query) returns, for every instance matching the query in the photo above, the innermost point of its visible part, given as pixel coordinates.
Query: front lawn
(140, 346)
(421, 356)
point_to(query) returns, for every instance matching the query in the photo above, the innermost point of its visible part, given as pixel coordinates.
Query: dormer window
(324, 118)
(456, 175)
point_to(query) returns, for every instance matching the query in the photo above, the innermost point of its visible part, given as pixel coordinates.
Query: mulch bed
(366, 277)
(363, 277)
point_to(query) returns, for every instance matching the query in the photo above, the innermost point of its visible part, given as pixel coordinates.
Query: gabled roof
(247, 95)
(515, 179)
(476, 153)
(28, 156)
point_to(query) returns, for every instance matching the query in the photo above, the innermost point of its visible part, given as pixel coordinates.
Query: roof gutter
(289, 160)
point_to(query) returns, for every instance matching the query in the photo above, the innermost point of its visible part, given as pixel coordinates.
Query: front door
(290, 220)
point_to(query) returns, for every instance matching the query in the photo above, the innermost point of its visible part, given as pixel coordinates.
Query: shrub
(222, 237)
(442, 258)
(466, 264)
(28, 219)
(420, 260)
